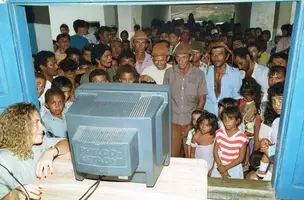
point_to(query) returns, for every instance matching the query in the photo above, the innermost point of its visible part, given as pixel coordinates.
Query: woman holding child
(25, 154)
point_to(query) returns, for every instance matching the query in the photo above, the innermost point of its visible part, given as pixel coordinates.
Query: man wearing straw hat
(139, 44)
(188, 93)
(222, 80)
(160, 57)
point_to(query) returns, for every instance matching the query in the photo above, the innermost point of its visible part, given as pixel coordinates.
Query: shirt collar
(176, 69)
(227, 70)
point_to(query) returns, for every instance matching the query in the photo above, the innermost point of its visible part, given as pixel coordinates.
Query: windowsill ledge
(239, 189)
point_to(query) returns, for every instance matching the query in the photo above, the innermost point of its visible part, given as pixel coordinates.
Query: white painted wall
(110, 15)
(68, 14)
(262, 15)
(125, 20)
(242, 14)
(43, 37)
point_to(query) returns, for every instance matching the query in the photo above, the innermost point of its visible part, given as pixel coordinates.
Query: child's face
(67, 92)
(205, 127)
(74, 57)
(99, 79)
(276, 78)
(71, 74)
(230, 122)
(63, 43)
(115, 65)
(40, 85)
(87, 56)
(55, 104)
(276, 102)
(127, 78)
(248, 97)
(279, 62)
(64, 30)
(124, 36)
(194, 118)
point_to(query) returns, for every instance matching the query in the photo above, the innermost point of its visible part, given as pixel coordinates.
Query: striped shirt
(229, 147)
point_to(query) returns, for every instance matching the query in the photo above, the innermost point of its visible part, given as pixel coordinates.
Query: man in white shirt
(160, 57)
(244, 61)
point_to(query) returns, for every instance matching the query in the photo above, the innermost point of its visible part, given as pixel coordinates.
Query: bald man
(160, 57)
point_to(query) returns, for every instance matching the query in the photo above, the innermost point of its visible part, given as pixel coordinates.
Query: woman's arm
(44, 165)
(63, 147)
(239, 159)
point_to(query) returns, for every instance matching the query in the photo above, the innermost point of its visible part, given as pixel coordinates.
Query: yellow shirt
(264, 58)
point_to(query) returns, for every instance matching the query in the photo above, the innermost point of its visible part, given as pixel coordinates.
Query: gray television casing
(120, 130)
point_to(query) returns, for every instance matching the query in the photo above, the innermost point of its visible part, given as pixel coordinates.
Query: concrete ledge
(219, 189)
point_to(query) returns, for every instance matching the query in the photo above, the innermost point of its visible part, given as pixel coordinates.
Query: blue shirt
(55, 125)
(78, 41)
(230, 86)
(23, 170)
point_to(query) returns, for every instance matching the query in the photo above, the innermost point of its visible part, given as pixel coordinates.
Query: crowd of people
(226, 93)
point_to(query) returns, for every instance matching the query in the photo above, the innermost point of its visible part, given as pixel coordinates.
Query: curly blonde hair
(15, 129)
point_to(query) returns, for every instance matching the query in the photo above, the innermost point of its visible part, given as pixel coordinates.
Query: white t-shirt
(41, 99)
(191, 132)
(260, 74)
(275, 130)
(156, 74)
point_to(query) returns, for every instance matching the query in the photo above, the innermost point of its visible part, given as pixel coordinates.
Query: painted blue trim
(287, 174)
(23, 53)
(135, 2)
(10, 86)
(33, 40)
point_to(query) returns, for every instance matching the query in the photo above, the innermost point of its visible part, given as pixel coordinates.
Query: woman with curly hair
(25, 154)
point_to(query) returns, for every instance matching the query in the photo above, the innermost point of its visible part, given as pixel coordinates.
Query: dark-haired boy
(63, 43)
(54, 120)
(99, 76)
(127, 74)
(78, 40)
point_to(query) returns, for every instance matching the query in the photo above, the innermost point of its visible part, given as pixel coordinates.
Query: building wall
(262, 15)
(125, 19)
(151, 12)
(110, 13)
(68, 14)
(39, 28)
(242, 14)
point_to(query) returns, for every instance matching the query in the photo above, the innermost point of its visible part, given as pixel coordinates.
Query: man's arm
(201, 102)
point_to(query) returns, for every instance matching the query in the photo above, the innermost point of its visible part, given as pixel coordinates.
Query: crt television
(120, 131)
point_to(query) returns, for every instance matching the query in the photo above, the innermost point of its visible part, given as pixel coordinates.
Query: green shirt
(23, 170)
